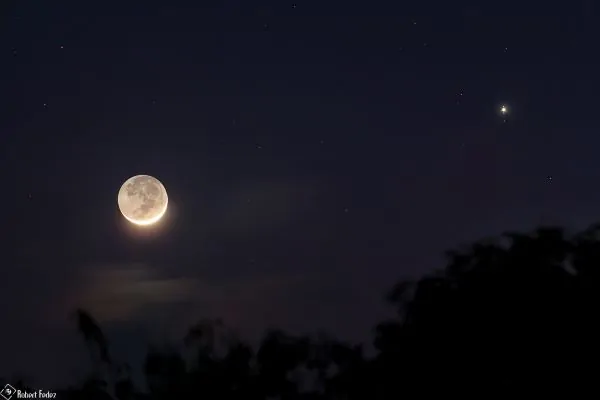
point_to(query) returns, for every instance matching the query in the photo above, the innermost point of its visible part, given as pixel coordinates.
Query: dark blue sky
(313, 154)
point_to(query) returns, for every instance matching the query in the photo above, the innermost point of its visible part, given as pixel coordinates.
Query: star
(503, 110)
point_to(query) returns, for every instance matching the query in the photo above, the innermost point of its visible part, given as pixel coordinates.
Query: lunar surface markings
(143, 200)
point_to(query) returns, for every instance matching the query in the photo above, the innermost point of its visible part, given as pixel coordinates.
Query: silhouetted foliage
(511, 316)
(507, 315)
(93, 336)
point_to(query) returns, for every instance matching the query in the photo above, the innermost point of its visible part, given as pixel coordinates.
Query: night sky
(314, 154)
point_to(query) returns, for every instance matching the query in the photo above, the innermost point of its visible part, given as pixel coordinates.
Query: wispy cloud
(129, 292)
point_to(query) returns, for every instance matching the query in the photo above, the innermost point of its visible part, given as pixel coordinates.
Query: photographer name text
(40, 394)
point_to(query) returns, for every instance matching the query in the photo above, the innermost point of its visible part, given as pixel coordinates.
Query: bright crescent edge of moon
(154, 219)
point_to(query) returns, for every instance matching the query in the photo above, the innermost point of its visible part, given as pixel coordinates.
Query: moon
(143, 200)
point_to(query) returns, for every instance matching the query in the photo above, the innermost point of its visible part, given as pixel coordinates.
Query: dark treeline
(515, 315)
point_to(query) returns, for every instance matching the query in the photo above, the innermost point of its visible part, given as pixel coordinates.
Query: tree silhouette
(166, 373)
(517, 314)
(508, 314)
(93, 336)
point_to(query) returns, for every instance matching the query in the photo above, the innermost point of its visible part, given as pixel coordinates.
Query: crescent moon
(143, 200)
